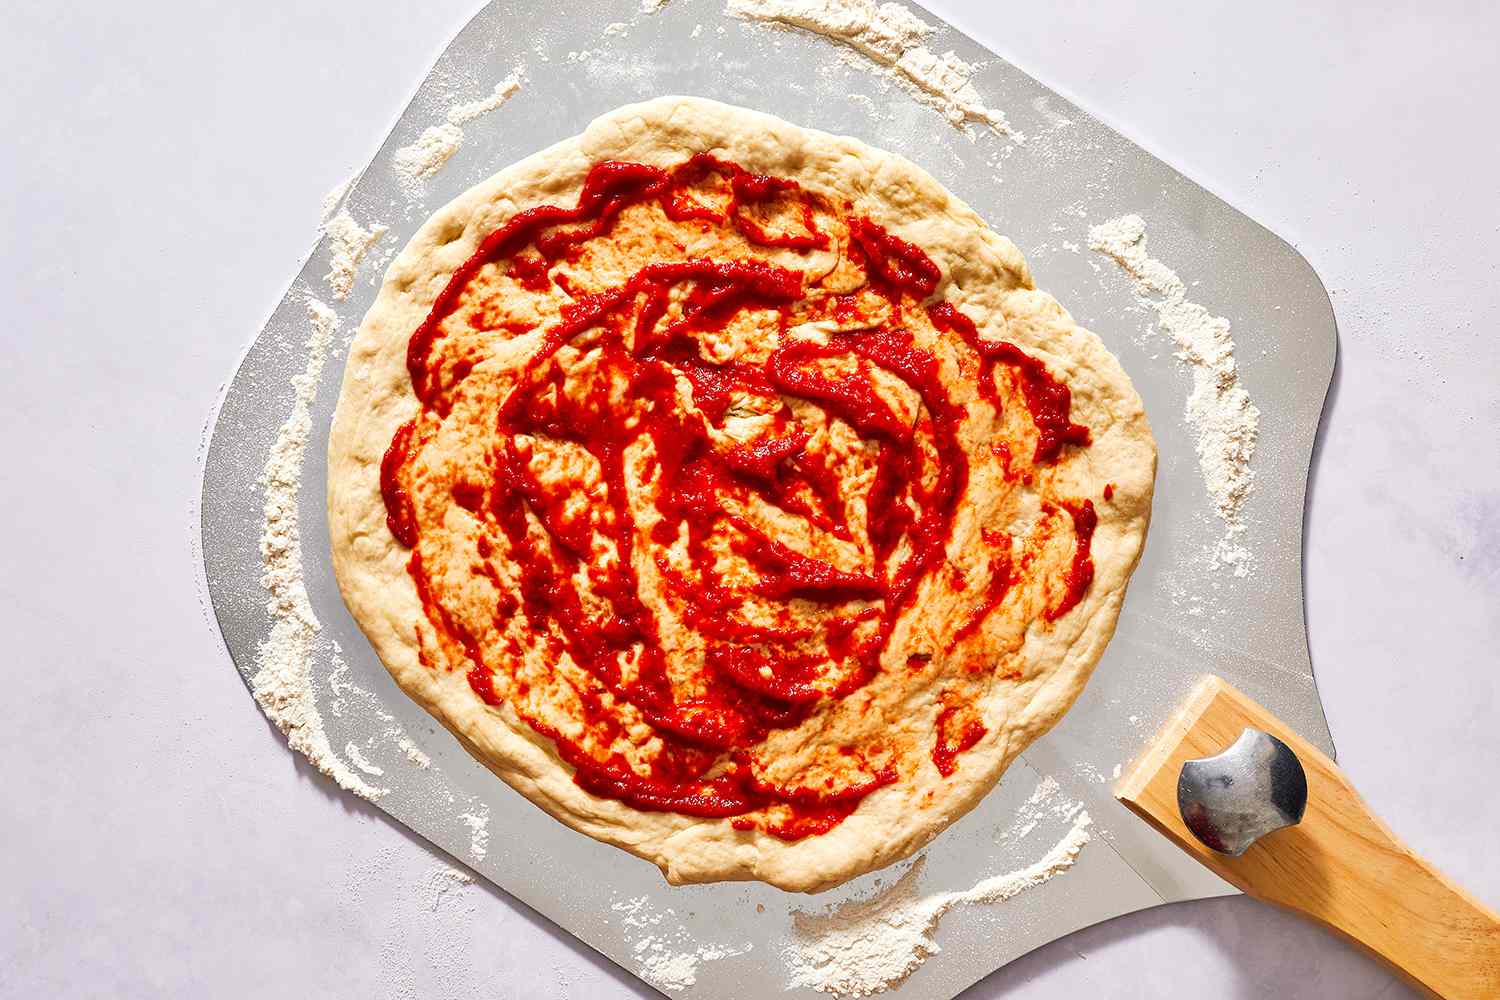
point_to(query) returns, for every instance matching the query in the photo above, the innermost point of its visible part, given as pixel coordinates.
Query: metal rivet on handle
(1231, 800)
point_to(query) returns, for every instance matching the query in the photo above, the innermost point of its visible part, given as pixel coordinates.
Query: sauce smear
(780, 633)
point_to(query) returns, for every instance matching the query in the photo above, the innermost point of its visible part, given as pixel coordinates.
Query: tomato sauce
(646, 332)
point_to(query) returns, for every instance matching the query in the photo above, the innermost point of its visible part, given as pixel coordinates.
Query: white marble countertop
(162, 173)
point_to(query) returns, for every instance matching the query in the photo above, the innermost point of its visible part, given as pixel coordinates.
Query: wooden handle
(1340, 866)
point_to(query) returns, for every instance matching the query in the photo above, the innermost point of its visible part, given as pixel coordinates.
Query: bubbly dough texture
(774, 582)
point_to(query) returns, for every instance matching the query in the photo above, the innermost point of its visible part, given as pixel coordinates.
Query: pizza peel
(1182, 616)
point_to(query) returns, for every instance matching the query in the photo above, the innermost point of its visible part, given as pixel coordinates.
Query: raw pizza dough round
(892, 723)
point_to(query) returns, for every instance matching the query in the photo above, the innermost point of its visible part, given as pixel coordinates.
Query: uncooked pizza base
(983, 275)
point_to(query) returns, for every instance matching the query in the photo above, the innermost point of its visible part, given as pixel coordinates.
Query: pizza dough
(729, 491)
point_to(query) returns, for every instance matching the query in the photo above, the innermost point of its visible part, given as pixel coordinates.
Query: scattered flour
(283, 683)
(397, 893)
(478, 823)
(865, 947)
(333, 198)
(347, 243)
(414, 753)
(893, 38)
(1218, 407)
(339, 684)
(652, 6)
(443, 881)
(1046, 801)
(867, 103)
(667, 956)
(1088, 772)
(359, 760)
(422, 159)
(1034, 808)
(1046, 789)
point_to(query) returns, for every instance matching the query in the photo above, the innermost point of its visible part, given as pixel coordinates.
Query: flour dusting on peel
(666, 953)
(358, 759)
(414, 753)
(348, 242)
(864, 947)
(422, 159)
(478, 823)
(1044, 801)
(283, 682)
(1218, 408)
(893, 38)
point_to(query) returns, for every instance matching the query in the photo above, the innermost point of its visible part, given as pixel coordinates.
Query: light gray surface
(198, 855)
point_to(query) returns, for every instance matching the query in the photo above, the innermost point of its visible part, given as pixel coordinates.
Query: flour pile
(283, 683)
(1218, 408)
(416, 162)
(869, 946)
(894, 38)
